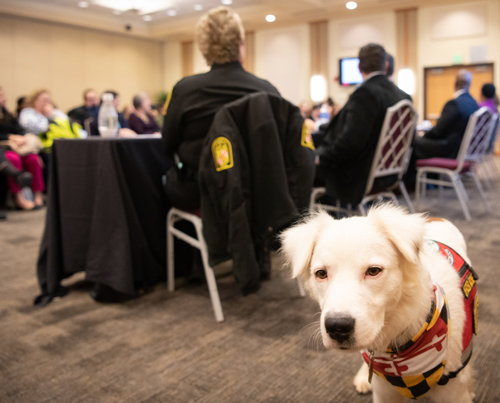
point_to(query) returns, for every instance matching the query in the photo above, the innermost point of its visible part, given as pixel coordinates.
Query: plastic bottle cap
(107, 97)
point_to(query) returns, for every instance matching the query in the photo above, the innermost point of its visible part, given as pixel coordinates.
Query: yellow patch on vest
(222, 153)
(306, 140)
(468, 285)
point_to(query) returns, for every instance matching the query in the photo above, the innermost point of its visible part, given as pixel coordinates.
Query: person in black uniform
(346, 154)
(194, 100)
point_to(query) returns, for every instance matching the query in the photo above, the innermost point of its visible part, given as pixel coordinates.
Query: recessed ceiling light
(351, 5)
(171, 13)
(270, 18)
(83, 4)
(198, 7)
(226, 2)
(117, 12)
(147, 18)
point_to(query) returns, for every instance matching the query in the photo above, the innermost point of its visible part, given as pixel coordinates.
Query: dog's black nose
(339, 327)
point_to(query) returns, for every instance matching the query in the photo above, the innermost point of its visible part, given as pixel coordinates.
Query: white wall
(437, 46)
(282, 58)
(66, 60)
(345, 38)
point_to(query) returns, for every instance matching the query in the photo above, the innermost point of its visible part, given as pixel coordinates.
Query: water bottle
(108, 118)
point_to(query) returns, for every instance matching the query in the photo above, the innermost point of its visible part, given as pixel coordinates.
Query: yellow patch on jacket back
(222, 153)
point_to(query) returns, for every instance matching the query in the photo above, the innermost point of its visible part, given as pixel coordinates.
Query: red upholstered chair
(391, 158)
(474, 146)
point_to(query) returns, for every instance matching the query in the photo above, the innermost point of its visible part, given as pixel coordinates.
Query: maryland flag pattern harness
(419, 364)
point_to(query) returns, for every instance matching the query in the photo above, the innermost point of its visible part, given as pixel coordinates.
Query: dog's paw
(361, 384)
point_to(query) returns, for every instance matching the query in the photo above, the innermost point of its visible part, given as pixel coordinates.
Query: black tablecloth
(106, 214)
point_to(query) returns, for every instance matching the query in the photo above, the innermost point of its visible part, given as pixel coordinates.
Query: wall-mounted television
(349, 72)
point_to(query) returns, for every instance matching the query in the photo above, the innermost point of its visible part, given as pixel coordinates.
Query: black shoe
(24, 179)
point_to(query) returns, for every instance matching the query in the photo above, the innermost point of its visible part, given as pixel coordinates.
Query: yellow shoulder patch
(306, 140)
(222, 153)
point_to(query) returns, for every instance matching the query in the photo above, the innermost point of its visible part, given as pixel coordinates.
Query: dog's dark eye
(373, 271)
(321, 274)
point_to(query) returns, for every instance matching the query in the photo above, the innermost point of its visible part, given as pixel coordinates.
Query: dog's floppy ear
(405, 231)
(298, 242)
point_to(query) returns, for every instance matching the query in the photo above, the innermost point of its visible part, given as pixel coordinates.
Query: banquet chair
(199, 243)
(86, 126)
(391, 158)
(194, 217)
(487, 161)
(473, 148)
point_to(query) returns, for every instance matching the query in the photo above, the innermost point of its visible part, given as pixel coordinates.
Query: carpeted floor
(165, 347)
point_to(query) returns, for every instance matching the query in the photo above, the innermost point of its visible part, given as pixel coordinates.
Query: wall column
(406, 45)
(187, 58)
(319, 50)
(249, 63)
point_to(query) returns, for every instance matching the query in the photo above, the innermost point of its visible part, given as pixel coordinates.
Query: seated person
(313, 118)
(89, 109)
(14, 164)
(444, 139)
(141, 120)
(195, 100)
(346, 154)
(36, 117)
(488, 92)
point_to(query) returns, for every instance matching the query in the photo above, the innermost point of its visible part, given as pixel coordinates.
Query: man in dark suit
(194, 100)
(89, 109)
(346, 154)
(444, 139)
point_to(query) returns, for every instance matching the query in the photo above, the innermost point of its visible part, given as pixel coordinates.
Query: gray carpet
(165, 347)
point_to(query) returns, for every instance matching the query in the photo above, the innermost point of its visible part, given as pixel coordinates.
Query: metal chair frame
(473, 147)
(391, 162)
(199, 243)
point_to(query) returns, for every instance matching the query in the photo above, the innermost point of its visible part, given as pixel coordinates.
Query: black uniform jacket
(194, 102)
(256, 175)
(347, 151)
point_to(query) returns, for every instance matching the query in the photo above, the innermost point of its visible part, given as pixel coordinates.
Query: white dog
(387, 290)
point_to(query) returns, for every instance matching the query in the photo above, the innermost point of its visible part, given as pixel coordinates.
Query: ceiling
(180, 26)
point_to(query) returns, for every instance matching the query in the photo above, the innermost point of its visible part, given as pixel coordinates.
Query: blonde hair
(30, 100)
(219, 34)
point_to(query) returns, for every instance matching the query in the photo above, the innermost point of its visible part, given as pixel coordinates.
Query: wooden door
(439, 85)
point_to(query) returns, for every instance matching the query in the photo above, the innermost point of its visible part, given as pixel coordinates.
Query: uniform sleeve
(172, 130)
(448, 118)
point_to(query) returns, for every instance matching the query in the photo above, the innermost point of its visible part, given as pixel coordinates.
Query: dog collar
(419, 364)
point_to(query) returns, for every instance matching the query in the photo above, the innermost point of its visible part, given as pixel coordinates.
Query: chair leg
(170, 255)
(464, 191)
(362, 209)
(459, 187)
(402, 187)
(209, 274)
(302, 292)
(481, 192)
(418, 185)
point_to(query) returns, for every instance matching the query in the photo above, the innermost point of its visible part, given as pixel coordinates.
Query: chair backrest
(476, 137)
(86, 125)
(495, 129)
(393, 149)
